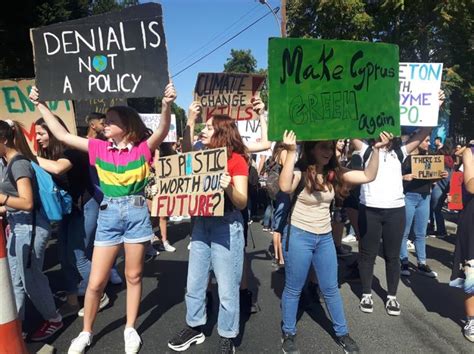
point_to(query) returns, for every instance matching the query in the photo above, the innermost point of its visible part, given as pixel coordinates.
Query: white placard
(152, 120)
(251, 131)
(419, 86)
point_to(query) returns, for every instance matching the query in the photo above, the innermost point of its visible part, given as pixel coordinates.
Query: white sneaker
(410, 245)
(104, 301)
(366, 303)
(132, 340)
(80, 343)
(349, 238)
(167, 247)
(392, 306)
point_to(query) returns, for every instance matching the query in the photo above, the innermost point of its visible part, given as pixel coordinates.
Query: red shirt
(236, 166)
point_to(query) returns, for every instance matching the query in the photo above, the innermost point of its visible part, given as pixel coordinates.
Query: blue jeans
(280, 211)
(31, 280)
(267, 216)
(417, 211)
(438, 196)
(73, 252)
(217, 244)
(307, 248)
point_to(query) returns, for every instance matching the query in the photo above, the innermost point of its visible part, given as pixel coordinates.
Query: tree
(425, 31)
(17, 54)
(240, 61)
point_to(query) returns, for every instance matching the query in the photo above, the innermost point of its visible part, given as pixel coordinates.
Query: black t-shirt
(422, 186)
(76, 181)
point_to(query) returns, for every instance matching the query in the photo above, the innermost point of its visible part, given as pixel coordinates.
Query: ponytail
(11, 131)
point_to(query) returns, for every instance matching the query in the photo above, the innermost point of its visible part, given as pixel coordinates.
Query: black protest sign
(99, 105)
(114, 55)
(189, 184)
(231, 94)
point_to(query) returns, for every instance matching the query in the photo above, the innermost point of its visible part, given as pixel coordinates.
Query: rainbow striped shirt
(121, 172)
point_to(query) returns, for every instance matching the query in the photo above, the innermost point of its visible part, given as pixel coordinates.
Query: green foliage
(16, 59)
(425, 31)
(240, 61)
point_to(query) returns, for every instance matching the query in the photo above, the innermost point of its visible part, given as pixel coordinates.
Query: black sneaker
(426, 271)
(342, 251)
(185, 338)
(288, 344)
(227, 346)
(393, 307)
(348, 344)
(366, 303)
(405, 270)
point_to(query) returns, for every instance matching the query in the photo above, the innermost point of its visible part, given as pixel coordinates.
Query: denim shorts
(123, 220)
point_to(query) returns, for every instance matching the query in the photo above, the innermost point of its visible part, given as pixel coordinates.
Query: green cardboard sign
(329, 89)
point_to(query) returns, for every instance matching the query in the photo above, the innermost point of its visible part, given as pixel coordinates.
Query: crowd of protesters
(312, 193)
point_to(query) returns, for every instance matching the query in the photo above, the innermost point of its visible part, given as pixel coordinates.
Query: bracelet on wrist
(5, 201)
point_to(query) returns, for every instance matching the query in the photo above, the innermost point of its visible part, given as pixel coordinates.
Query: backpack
(55, 202)
(369, 150)
(273, 176)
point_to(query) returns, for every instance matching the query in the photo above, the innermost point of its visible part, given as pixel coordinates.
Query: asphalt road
(430, 321)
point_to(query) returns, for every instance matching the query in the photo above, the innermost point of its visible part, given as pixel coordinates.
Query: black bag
(273, 171)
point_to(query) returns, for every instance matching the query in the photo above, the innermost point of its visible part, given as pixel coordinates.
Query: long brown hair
(15, 138)
(277, 150)
(135, 130)
(55, 148)
(227, 134)
(332, 172)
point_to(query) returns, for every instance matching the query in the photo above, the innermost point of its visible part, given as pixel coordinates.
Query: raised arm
(193, 113)
(289, 179)
(468, 163)
(357, 144)
(58, 167)
(416, 140)
(160, 133)
(370, 172)
(56, 128)
(263, 144)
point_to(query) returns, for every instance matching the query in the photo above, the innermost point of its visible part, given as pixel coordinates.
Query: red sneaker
(48, 329)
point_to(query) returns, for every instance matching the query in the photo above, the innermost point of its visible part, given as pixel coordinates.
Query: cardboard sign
(427, 166)
(251, 131)
(117, 54)
(328, 89)
(228, 93)
(419, 86)
(455, 191)
(15, 105)
(189, 184)
(152, 121)
(99, 105)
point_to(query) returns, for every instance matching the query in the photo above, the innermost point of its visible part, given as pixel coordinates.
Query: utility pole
(283, 18)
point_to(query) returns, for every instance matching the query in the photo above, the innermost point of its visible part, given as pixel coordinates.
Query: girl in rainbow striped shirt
(123, 164)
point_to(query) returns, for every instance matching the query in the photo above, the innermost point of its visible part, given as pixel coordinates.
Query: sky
(194, 28)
